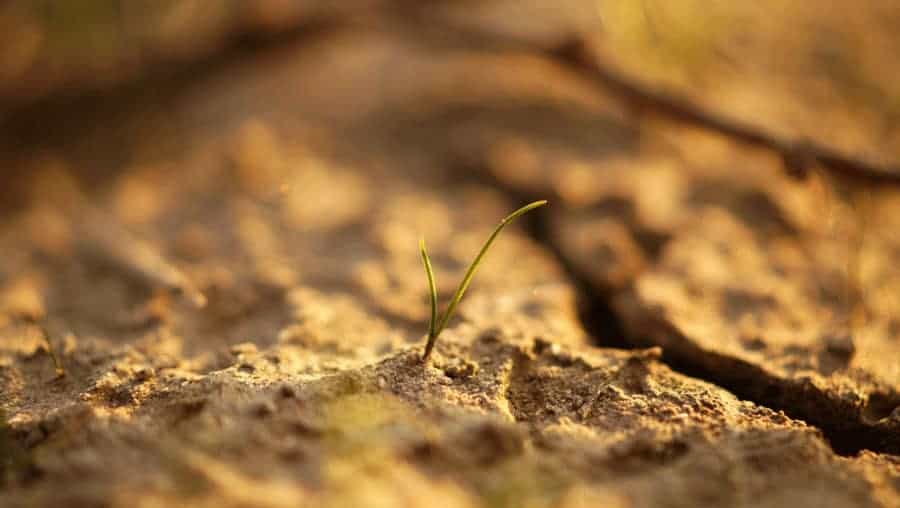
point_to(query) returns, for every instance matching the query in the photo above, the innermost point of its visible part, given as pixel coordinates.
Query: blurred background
(274, 142)
(183, 182)
(206, 135)
(819, 70)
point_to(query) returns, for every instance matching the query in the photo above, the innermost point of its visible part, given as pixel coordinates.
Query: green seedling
(57, 363)
(437, 324)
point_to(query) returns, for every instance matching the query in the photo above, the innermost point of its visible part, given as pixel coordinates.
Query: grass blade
(431, 288)
(435, 331)
(57, 363)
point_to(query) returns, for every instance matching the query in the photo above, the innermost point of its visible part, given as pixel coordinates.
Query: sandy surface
(227, 272)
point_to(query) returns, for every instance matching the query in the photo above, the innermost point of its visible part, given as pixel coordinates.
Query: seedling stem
(437, 325)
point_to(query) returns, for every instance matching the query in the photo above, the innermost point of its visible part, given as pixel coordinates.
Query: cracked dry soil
(664, 334)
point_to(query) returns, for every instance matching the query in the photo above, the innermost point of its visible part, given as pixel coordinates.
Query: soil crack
(605, 323)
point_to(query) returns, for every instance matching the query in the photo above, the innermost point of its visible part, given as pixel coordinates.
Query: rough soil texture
(787, 299)
(232, 287)
(51, 51)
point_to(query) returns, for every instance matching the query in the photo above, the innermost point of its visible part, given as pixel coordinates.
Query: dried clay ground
(224, 261)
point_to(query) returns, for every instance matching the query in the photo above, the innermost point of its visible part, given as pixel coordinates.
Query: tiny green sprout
(57, 363)
(437, 325)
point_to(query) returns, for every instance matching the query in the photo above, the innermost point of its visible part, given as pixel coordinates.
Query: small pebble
(264, 408)
(287, 391)
(143, 374)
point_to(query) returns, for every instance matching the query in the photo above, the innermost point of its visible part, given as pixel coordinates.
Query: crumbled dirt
(531, 421)
(777, 289)
(232, 288)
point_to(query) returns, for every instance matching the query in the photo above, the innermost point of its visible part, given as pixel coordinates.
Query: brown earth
(226, 268)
